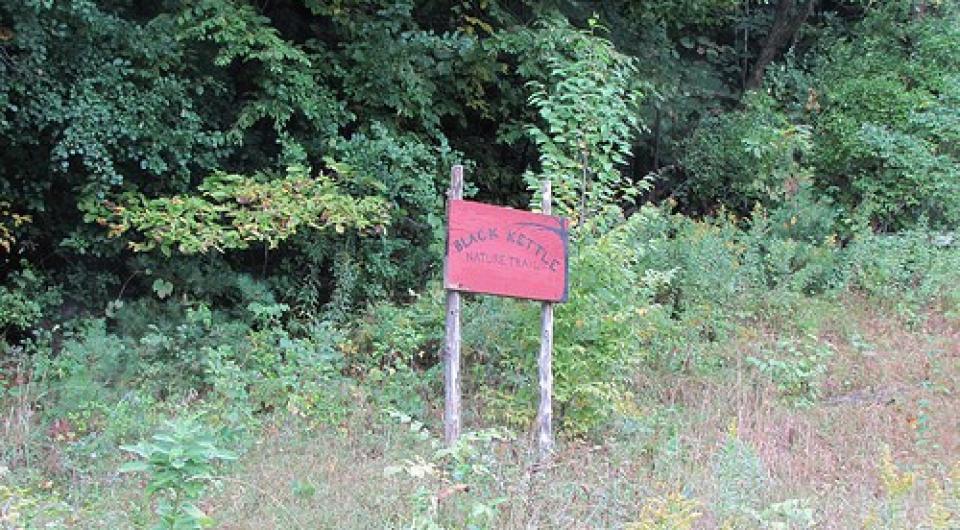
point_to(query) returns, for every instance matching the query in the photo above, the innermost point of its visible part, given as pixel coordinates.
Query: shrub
(460, 477)
(397, 350)
(745, 157)
(741, 480)
(907, 269)
(885, 121)
(599, 334)
(24, 301)
(794, 366)
(180, 461)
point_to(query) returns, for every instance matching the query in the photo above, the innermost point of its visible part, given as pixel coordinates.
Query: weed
(795, 366)
(24, 507)
(180, 462)
(673, 512)
(452, 475)
(741, 479)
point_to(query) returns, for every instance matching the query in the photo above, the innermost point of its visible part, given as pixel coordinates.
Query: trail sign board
(506, 252)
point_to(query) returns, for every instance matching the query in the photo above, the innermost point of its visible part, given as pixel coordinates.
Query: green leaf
(162, 288)
(134, 467)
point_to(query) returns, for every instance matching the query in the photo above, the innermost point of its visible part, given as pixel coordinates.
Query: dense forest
(222, 230)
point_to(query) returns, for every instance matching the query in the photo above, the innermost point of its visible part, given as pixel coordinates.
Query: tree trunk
(787, 21)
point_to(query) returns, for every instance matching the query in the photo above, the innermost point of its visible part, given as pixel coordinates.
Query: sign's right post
(545, 358)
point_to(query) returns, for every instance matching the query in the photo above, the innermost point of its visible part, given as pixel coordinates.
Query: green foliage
(397, 348)
(588, 103)
(794, 246)
(884, 120)
(795, 367)
(908, 270)
(101, 86)
(24, 301)
(602, 331)
(600, 334)
(741, 480)
(677, 13)
(180, 461)
(77, 379)
(111, 386)
(742, 158)
(395, 71)
(409, 174)
(457, 475)
(285, 76)
(233, 211)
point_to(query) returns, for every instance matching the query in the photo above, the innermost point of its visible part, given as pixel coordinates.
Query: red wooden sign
(506, 252)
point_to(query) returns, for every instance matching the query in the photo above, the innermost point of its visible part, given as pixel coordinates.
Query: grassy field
(878, 448)
(872, 442)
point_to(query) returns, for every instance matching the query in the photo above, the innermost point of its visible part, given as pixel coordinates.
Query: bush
(603, 330)
(24, 301)
(180, 461)
(114, 387)
(396, 349)
(907, 269)
(885, 121)
(745, 157)
(794, 367)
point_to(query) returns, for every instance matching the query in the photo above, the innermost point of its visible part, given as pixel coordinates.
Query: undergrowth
(756, 305)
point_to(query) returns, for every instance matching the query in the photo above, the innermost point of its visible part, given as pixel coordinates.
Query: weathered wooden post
(545, 359)
(451, 346)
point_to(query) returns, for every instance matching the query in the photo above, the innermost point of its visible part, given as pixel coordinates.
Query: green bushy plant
(180, 462)
(793, 248)
(605, 327)
(907, 269)
(460, 477)
(301, 374)
(108, 379)
(77, 378)
(588, 109)
(602, 331)
(25, 299)
(397, 348)
(741, 479)
(409, 173)
(795, 367)
(741, 158)
(884, 126)
(707, 277)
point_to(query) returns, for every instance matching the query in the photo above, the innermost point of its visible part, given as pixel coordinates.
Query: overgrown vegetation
(222, 231)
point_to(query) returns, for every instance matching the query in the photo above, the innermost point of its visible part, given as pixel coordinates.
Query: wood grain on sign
(506, 252)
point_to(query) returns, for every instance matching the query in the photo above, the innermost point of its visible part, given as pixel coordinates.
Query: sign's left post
(451, 346)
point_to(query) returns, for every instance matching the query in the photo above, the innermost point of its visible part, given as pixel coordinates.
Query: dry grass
(890, 386)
